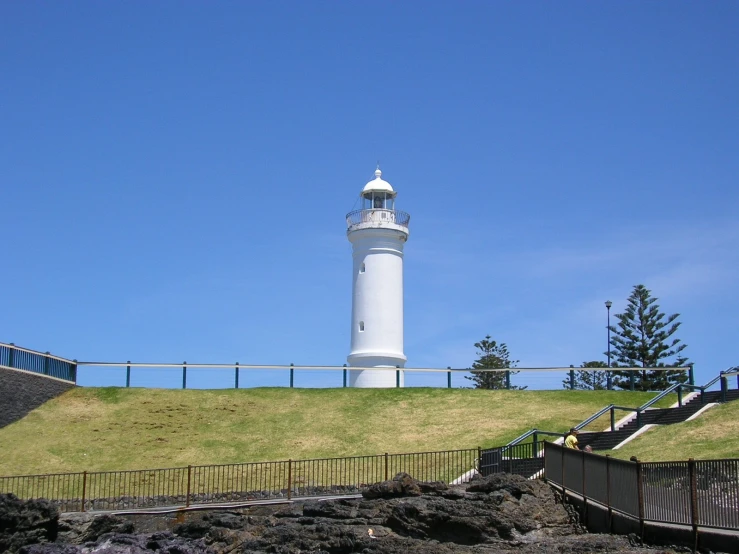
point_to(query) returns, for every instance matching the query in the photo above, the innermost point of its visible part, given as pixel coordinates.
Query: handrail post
(189, 480)
(184, 375)
(46, 363)
(613, 418)
(691, 375)
(73, 370)
(11, 354)
(236, 375)
(292, 375)
(128, 374)
(84, 490)
(535, 444)
(640, 496)
(680, 396)
(449, 378)
(344, 375)
(693, 501)
(397, 377)
(584, 491)
(562, 482)
(703, 395)
(386, 476)
(608, 493)
(508, 379)
(724, 386)
(632, 381)
(572, 379)
(289, 479)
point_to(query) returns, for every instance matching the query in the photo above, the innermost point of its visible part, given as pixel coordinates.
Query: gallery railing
(16, 357)
(700, 493)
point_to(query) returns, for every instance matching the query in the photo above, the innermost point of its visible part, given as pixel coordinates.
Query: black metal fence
(37, 362)
(526, 459)
(236, 483)
(701, 493)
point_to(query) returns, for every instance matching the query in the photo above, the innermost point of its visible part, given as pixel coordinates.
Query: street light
(609, 385)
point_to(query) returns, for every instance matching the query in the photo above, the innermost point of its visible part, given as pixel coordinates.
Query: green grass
(712, 435)
(97, 429)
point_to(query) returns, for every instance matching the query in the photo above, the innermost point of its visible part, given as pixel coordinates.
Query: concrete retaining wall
(23, 391)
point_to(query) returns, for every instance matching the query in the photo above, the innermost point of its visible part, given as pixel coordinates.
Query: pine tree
(492, 356)
(589, 380)
(641, 339)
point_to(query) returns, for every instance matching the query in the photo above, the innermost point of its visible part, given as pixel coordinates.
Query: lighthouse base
(387, 375)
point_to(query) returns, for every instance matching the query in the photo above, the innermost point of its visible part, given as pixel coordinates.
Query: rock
(26, 522)
(400, 485)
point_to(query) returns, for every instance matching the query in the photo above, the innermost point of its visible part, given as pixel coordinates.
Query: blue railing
(16, 357)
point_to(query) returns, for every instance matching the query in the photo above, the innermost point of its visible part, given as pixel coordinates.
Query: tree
(589, 380)
(642, 339)
(492, 356)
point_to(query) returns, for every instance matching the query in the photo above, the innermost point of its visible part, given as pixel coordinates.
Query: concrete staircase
(607, 440)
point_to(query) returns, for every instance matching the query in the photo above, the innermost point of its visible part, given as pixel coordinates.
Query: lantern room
(378, 194)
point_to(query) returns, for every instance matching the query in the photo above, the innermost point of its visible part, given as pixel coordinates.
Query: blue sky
(174, 176)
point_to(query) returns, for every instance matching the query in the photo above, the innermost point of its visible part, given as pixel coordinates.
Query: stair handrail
(593, 417)
(660, 396)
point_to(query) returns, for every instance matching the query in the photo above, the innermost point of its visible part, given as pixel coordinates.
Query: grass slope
(712, 435)
(97, 429)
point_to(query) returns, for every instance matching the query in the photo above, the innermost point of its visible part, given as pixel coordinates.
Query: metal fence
(44, 363)
(236, 483)
(701, 493)
(526, 459)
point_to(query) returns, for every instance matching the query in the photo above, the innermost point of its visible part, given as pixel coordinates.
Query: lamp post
(609, 384)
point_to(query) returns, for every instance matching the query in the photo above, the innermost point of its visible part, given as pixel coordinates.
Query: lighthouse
(378, 233)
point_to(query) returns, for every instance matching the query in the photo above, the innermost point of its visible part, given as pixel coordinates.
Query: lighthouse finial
(378, 173)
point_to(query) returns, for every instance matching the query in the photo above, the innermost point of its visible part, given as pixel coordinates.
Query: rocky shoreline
(502, 513)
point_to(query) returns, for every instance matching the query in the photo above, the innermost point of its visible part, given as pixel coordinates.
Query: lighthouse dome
(377, 184)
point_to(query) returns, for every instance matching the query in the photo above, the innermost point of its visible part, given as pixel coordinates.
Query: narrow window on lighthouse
(362, 269)
(361, 326)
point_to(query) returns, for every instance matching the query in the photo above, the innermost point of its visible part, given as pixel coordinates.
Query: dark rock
(26, 522)
(400, 485)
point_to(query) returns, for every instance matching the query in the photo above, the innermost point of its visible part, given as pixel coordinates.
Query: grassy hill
(98, 429)
(712, 435)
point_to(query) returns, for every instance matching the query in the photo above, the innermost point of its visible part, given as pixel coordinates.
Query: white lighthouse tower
(378, 233)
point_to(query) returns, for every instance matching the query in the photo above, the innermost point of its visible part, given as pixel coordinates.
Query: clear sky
(174, 176)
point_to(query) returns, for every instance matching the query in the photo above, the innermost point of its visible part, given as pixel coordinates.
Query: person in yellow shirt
(571, 439)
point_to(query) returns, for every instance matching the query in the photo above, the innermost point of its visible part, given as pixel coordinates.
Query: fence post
(631, 380)
(680, 396)
(184, 375)
(386, 477)
(640, 496)
(508, 379)
(84, 490)
(724, 386)
(46, 363)
(608, 493)
(613, 418)
(572, 379)
(691, 375)
(236, 376)
(397, 377)
(564, 490)
(73, 371)
(584, 492)
(609, 380)
(189, 480)
(449, 378)
(292, 375)
(693, 501)
(128, 374)
(11, 354)
(535, 443)
(289, 479)
(344, 375)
